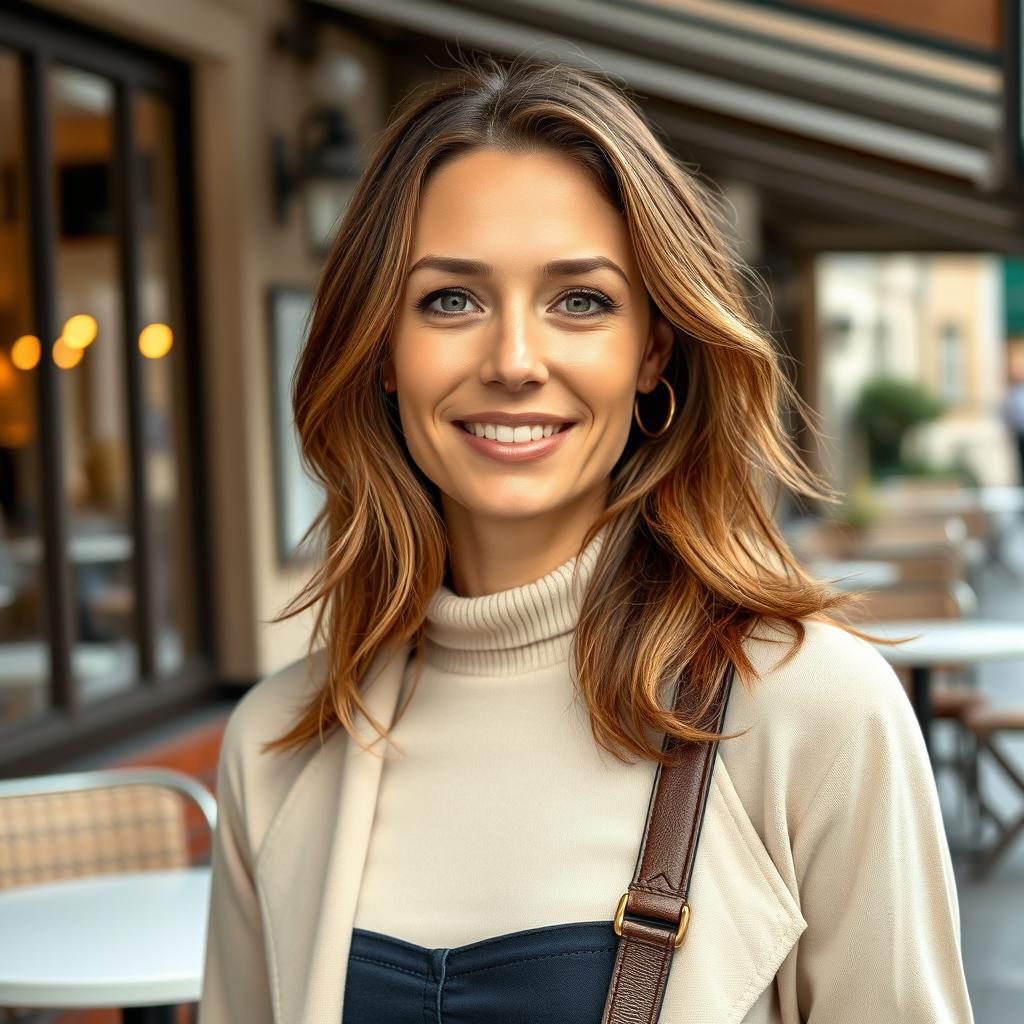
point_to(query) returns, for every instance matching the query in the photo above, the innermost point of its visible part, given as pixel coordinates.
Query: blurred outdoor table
(993, 500)
(135, 940)
(881, 546)
(1001, 506)
(846, 574)
(944, 642)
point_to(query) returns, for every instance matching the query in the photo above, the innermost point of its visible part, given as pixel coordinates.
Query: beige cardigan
(822, 892)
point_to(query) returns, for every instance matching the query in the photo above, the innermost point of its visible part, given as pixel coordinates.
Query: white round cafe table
(944, 642)
(855, 575)
(127, 940)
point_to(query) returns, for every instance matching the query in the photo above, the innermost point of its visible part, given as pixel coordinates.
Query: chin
(511, 507)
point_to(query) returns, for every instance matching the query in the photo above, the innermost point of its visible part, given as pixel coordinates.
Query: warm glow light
(25, 352)
(155, 340)
(14, 412)
(7, 378)
(79, 331)
(64, 355)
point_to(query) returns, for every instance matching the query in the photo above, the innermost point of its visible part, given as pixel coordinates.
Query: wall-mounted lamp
(326, 171)
(326, 167)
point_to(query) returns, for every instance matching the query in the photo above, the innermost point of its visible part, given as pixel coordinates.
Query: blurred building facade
(168, 173)
(936, 319)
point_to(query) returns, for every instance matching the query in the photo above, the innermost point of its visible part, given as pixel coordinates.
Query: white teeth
(511, 435)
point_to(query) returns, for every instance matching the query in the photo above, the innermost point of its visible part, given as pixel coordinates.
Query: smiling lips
(509, 434)
(533, 436)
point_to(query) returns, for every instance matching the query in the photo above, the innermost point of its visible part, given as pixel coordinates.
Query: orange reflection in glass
(155, 340)
(79, 331)
(25, 352)
(64, 355)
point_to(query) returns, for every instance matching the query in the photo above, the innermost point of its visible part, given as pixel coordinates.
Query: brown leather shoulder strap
(661, 880)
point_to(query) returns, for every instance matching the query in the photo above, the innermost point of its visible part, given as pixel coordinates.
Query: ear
(387, 375)
(660, 340)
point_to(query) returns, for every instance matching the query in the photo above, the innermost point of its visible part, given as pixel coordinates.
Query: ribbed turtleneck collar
(511, 631)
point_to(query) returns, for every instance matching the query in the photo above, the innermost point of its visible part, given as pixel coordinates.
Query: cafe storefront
(169, 174)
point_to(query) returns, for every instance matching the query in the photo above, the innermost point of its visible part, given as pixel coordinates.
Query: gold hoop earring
(671, 411)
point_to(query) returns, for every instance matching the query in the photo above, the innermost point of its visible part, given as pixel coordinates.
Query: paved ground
(992, 910)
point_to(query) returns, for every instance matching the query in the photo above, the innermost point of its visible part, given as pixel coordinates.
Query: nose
(515, 351)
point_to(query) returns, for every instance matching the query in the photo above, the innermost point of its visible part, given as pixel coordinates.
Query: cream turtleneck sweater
(502, 813)
(823, 889)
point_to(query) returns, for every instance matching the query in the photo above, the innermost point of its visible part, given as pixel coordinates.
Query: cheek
(606, 376)
(426, 369)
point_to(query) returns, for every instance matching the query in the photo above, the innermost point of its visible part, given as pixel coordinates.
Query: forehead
(517, 208)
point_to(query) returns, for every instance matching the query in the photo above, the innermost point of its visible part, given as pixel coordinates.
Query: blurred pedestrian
(1013, 414)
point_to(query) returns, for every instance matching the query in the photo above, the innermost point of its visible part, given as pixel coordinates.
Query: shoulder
(270, 705)
(836, 692)
(254, 781)
(832, 681)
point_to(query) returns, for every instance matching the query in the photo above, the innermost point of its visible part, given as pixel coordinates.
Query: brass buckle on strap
(684, 919)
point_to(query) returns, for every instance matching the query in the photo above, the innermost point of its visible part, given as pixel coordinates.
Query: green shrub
(887, 408)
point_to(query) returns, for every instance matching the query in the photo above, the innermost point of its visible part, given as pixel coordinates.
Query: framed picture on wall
(297, 496)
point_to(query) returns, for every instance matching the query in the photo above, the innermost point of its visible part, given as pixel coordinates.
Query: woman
(548, 430)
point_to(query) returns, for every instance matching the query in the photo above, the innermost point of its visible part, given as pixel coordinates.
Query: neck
(490, 554)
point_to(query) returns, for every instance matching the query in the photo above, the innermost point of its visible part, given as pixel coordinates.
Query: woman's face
(523, 315)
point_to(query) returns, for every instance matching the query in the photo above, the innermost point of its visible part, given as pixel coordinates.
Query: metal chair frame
(111, 778)
(1006, 831)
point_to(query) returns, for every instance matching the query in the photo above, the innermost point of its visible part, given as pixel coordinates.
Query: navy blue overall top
(555, 974)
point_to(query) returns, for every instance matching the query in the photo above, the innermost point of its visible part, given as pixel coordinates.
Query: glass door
(102, 612)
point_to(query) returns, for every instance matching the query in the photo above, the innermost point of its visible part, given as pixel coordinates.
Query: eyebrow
(556, 268)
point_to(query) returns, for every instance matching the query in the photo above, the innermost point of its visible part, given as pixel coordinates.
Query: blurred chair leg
(1007, 832)
(959, 695)
(985, 811)
(960, 767)
(971, 810)
(972, 798)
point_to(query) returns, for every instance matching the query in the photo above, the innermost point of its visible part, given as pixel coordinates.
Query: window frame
(68, 729)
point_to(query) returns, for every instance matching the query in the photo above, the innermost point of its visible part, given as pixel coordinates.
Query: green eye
(588, 303)
(579, 303)
(446, 302)
(452, 302)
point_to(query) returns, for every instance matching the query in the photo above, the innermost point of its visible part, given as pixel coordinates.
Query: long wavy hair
(692, 560)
